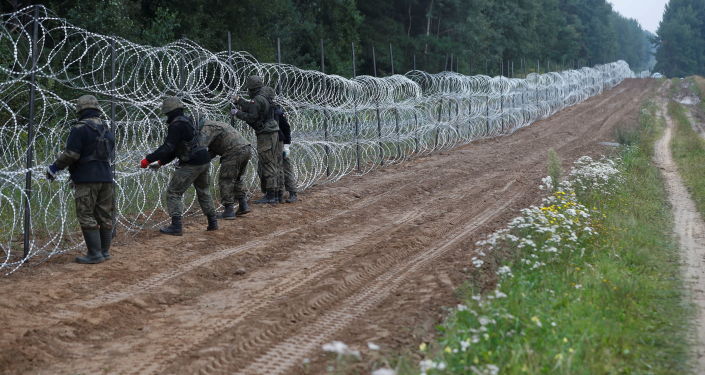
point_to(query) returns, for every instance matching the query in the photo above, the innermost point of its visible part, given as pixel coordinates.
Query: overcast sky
(647, 12)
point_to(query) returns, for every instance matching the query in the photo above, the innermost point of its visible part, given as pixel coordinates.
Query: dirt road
(689, 229)
(374, 258)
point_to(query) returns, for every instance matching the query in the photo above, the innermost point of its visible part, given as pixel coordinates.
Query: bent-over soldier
(234, 151)
(183, 141)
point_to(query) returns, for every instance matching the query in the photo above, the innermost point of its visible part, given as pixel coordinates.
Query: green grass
(689, 153)
(615, 307)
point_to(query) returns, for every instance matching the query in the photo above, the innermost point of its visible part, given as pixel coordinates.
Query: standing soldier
(234, 151)
(89, 149)
(259, 114)
(288, 178)
(183, 141)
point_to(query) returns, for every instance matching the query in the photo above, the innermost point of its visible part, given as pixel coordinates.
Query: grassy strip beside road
(589, 282)
(689, 153)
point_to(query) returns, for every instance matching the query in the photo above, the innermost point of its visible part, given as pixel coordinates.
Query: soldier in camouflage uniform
(258, 113)
(183, 141)
(234, 151)
(88, 153)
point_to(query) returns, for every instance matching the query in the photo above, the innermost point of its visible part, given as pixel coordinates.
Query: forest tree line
(681, 39)
(468, 36)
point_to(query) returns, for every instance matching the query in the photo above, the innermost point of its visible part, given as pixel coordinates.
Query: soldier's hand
(155, 165)
(287, 151)
(51, 172)
(234, 111)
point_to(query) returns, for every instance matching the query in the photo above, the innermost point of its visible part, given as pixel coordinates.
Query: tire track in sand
(290, 352)
(690, 231)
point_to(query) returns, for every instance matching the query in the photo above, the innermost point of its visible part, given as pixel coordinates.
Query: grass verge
(689, 153)
(589, 283)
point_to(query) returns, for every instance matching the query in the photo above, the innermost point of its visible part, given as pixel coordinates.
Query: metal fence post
(379, 120)
(357, 120)
(325, 114)
(27, 225)
(113, 127)
(391, 57)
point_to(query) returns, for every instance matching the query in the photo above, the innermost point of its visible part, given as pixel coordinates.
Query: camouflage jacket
(221, 138)
(258, 112)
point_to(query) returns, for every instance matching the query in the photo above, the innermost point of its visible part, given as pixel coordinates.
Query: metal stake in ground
(325, 114)
(357, 119)
(27, 227)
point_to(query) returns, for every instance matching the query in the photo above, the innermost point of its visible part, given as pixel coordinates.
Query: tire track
(285, 355)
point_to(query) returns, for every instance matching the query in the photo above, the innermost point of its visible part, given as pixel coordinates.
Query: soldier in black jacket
(88, 154)
(183, 141)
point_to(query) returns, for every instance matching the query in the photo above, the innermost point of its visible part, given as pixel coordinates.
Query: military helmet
(87, 102)
(171, 103)
(254, 82)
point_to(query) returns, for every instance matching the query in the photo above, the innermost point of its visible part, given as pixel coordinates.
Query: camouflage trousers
(184, 176)
(94, 205)
(269, 163)
(287, 179)
(232, 169)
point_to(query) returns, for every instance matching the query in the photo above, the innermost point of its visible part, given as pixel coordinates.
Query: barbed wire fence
(340, 126)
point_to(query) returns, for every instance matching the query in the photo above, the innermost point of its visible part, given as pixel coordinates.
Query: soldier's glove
(155, 165)
(51, 172)
(287, 152)
(144, 163)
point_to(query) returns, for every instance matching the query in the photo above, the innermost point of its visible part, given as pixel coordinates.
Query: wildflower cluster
(541, 236)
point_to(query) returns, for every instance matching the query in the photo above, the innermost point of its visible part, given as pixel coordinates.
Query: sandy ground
(689, 228)
(374, 258)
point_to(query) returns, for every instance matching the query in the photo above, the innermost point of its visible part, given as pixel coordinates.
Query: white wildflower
(384, 371)
(340, 348)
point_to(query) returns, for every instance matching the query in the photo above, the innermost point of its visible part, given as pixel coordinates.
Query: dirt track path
(690, 231)
(366, 259)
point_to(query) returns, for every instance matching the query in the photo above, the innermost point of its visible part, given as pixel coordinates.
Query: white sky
(647, 12)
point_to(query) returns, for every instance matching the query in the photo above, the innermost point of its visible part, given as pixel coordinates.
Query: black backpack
(198, 141)
(103, 149)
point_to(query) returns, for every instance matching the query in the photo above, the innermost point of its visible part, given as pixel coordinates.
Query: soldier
(89, 150)
(183, 141)
(234, 151)
(258, 113)
(288, 178)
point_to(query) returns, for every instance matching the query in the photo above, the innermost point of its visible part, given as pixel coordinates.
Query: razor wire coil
(340, 126)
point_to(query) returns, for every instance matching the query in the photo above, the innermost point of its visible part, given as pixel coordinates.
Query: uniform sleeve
(167, 151)
(72, 153)
(250, 113)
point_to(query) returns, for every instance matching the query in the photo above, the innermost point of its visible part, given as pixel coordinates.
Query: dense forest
(681, 39)
(468, 36)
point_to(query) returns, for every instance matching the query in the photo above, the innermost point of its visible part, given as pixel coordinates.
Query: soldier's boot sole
(90, 260)
(171, 231)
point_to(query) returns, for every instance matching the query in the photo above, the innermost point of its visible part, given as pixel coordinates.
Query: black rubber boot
(270, 198)
(292, 197)
(95, 255)
(213, 223)
(228, 213)
(175, 229)
(106, 238)
(243, 207)
(280, 196)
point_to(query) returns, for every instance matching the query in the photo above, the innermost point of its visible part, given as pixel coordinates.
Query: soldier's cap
(171, 103)
(87, 102)
(254, 82)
